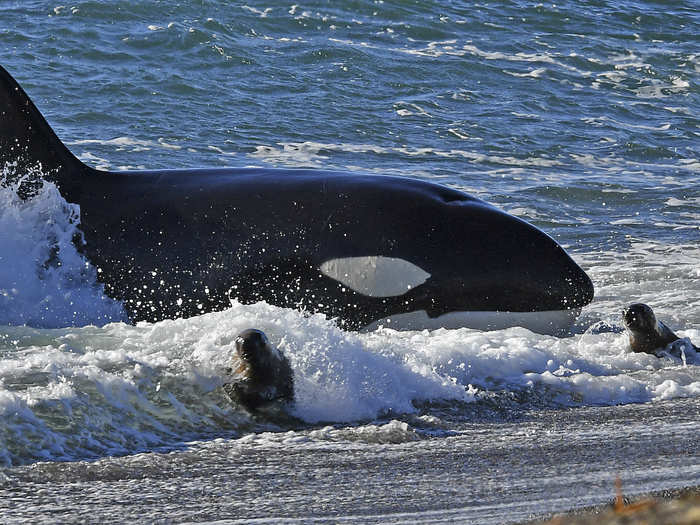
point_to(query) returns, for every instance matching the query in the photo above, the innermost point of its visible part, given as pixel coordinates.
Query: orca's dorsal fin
(27, 140)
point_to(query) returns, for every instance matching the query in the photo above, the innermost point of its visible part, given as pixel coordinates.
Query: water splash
(80, 393)
(44, 280)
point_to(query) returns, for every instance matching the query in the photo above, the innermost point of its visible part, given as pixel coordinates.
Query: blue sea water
(580, 117)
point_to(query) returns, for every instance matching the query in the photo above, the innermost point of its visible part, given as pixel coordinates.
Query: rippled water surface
(580, 117)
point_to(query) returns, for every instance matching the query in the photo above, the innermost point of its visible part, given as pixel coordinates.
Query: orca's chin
(549, 322)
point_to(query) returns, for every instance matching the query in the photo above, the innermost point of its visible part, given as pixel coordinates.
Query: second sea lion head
(639, 317)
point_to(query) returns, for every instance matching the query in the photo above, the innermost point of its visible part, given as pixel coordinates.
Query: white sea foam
(121, 388)
(310, 153)
(327, 437)
(603, 120)
(124, 143)
(261, 14)
(453, 48)
(44, 281)
(407, 109)
(527, 213)
(674, 202)
(535, 73)
(120, 144)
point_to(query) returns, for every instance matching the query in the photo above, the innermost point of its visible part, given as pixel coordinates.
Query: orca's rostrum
(367, 250)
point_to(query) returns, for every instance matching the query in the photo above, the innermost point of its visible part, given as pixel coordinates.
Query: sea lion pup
(647, 334)
(261, 373)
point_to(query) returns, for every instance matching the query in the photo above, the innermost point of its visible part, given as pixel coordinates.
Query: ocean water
(580, 117)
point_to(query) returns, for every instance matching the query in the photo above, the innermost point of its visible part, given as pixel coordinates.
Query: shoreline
(672, 506)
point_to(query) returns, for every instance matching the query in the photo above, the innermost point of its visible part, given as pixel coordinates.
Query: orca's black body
(183, 242)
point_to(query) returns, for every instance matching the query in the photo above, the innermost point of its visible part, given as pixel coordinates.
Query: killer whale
(366, 250)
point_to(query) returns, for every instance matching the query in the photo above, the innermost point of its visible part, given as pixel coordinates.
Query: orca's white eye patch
(375, 276)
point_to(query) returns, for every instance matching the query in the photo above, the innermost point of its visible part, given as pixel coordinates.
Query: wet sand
(669, 507)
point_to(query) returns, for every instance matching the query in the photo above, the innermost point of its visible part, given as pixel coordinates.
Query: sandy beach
(670, 507)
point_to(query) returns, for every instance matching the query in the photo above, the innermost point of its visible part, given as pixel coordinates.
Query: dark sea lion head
(261, 374)
(253, 347)
(639, 317)
(647, 334)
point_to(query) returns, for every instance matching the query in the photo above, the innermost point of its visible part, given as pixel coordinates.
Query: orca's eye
(375, 276)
